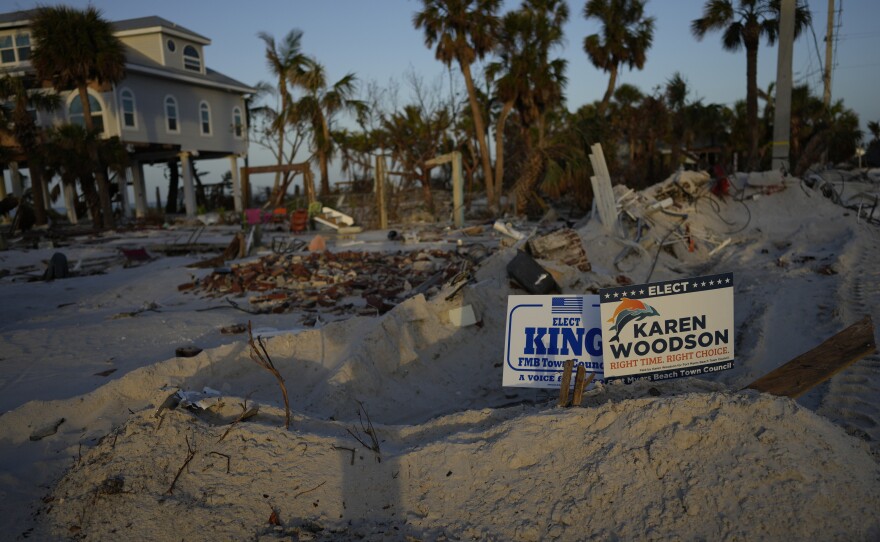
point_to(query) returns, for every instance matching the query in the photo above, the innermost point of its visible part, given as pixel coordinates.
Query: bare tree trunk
(752, 105)
(499, 144)
(426, 191)
(100, 174)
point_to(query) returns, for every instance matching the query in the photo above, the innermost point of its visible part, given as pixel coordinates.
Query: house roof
(140, 63)
(153, 23)
(16, 18)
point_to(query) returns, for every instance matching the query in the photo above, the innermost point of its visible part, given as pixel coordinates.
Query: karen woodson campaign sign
(543, 331)
(668, 329)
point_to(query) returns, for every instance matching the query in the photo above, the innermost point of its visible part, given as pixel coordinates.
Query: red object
(721, 186)
(299, 219)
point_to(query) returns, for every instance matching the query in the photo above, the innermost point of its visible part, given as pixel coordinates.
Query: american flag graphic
(567, 305)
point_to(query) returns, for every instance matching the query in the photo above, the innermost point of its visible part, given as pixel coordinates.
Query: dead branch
(190, 453)
(245, 414)
(261, 357)
(310, 490)
(368, 430)
(335, 447)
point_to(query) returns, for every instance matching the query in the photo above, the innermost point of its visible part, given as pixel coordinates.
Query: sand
(455, 456)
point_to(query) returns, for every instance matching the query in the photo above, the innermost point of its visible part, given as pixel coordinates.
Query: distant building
(170, 106)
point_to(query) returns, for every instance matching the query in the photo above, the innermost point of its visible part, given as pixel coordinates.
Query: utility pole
(829, 54)
(782, 118)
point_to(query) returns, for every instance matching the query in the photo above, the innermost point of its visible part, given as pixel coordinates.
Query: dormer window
(191, 59)
(15, 48)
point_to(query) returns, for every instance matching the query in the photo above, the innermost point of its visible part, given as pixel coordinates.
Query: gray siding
(150, 94)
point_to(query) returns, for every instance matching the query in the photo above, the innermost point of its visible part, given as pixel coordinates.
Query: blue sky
(376, 40)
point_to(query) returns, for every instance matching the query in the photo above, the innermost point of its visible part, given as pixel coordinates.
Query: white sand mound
(699, 466)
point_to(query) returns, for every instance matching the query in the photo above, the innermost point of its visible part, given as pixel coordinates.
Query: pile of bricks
(342, 282)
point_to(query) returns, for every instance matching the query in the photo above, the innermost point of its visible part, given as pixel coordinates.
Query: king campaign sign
(543, 331)
(668, 329)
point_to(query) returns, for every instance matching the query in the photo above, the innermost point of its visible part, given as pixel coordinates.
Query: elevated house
(170, 105)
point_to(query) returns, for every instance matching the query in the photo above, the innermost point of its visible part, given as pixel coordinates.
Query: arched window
(75, 112)
(129, 119)
(171, 123)
(237, 123)
(205, 118)
(191, 59)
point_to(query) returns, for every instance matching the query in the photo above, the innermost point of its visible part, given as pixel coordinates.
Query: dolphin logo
(630, 310)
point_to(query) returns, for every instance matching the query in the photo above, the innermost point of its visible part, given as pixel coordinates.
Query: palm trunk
(499, 143)
(612, 82)
(525, 185)
(325, 157)
(173, 186)
(36, 170)
(492, 191)
(752, 103)
(100, 174)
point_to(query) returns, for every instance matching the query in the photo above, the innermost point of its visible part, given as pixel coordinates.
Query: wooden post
(380, 192)
(457, 191)
(236, 183)
(566, 383)
(245, 188)
(158, 200)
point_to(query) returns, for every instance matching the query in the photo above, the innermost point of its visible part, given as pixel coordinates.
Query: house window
(76, 116)
(15, 48)
(171, 123)
(171, 45)
(129, 120)
(191, 59)
(237, 124)
(205, 118)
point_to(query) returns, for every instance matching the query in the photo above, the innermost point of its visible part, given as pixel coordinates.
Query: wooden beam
(301, 167)
(821, 363)
(580, 384)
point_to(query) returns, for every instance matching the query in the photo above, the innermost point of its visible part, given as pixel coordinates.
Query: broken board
(821, 363)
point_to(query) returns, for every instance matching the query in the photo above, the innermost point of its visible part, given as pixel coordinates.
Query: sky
(376, 40)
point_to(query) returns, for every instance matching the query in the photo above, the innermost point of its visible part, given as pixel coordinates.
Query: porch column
(189, 190)
(15, 176)
(70, 202)
(457, 191)
(236, 183)
(47, 203)
(140, 189)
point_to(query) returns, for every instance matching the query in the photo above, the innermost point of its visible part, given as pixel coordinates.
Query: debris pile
(342, 282)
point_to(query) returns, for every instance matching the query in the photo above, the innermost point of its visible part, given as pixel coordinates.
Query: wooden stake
(566, 383)
(580, 384)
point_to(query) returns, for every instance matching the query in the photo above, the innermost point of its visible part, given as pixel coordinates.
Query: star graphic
(711, 283)
(696, 285)
(607, 296)
(727, 281)
(641, 292)
(615, 295)
(703, 283)
(632, 292)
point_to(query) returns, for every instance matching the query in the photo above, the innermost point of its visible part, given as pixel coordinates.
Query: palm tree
(287, 63)
(625, 38)
(525, 76)
(529, 81)
(26, 133)
(464, 31)
(320, 105)
(743, 25)
(71, 49)
(67, 156)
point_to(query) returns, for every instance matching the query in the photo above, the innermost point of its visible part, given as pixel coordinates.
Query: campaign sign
(543, 331)
(668, 329)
